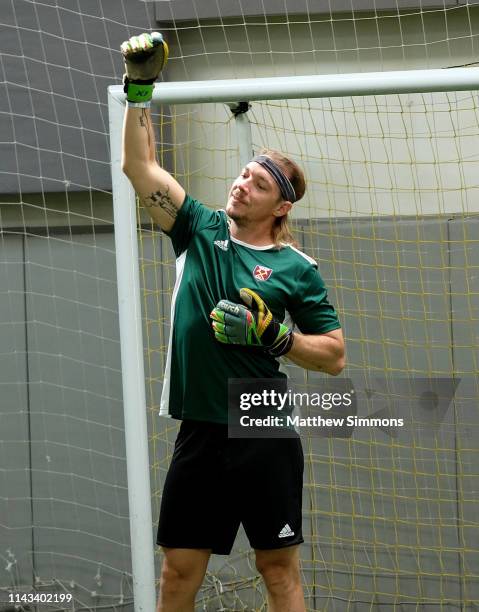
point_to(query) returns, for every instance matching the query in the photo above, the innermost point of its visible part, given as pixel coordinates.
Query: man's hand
(251, 325)
(145, 57)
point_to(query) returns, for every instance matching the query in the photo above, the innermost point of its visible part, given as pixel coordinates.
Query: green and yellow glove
(145, 57)
(250, 325)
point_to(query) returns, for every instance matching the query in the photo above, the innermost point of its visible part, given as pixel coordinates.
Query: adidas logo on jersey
(222, 244)
(286, 532)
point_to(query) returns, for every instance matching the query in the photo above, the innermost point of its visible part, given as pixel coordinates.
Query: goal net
(390, 215)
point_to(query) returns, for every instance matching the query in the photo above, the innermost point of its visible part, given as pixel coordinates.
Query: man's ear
(282, 209)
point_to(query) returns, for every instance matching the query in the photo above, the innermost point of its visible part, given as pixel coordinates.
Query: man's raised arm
(159, 192)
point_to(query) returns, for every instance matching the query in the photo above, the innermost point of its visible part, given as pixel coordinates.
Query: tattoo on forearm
(159, 199)
(145, 124)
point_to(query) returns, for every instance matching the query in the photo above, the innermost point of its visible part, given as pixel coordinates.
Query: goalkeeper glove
(251, 325)
(145, 57)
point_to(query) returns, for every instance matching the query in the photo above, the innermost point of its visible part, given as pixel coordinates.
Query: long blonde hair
(281, 230)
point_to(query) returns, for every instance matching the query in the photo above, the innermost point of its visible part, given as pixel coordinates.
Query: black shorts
(214, 483)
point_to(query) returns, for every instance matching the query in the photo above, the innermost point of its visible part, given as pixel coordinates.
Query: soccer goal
(391, 215)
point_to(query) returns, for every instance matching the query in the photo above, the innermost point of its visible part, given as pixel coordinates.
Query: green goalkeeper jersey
(211, 265)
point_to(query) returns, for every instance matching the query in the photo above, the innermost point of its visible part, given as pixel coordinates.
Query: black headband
(283, 182)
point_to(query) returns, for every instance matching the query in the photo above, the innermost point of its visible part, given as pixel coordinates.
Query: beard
(233, 213)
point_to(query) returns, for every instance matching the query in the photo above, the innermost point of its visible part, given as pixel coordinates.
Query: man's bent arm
(322, 352)
(159, 192)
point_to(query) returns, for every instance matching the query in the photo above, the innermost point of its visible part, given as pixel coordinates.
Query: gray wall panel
(383, 514)
(15, 485)
(389, 280)
(80, 512)
(383, 503)
(181, 10)
(66, 56)
(465, 306)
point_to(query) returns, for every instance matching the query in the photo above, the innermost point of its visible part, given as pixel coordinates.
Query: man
(237, 279)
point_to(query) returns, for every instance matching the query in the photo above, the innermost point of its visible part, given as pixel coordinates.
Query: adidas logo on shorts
(286, 532)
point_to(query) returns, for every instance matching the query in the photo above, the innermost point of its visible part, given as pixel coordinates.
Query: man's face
(254, 196)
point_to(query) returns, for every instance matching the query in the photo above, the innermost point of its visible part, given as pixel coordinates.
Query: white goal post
(125, 219)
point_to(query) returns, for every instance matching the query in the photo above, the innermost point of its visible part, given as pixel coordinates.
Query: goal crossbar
(313, 86)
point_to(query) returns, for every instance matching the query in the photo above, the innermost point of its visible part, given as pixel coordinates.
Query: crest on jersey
(262, 273)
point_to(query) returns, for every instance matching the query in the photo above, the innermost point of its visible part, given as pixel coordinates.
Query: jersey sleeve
(192, 217)
(310, 308)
